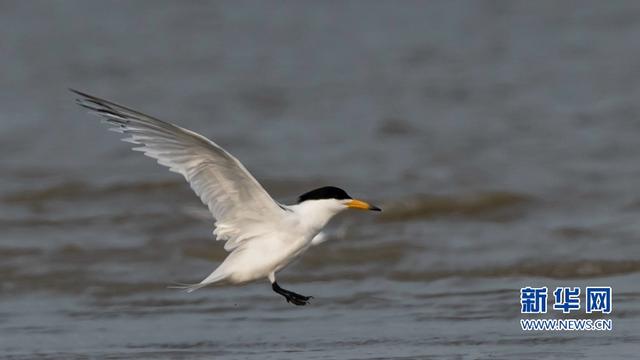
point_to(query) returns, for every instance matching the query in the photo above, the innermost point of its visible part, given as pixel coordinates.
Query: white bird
(262, 235)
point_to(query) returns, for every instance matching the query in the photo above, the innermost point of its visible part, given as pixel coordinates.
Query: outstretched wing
(240, 205)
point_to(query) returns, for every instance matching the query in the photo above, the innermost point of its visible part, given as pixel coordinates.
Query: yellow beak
(361, 205)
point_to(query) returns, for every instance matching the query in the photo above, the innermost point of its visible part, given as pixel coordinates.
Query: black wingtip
(89, 97)
(77, 92)
(81, 96)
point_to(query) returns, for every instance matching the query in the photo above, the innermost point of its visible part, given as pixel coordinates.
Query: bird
(261, 235)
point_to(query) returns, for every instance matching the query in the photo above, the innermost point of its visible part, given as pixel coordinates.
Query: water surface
(501, 138)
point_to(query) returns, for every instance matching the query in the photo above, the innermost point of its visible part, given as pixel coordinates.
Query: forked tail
(187, 287)
(211, 279)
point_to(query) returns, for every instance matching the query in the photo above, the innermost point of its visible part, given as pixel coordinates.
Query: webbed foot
(290, 296)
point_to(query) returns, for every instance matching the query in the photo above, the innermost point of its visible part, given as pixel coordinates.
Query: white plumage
(261, 235)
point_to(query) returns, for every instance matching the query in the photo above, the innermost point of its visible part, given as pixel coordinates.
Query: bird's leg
(291, 297)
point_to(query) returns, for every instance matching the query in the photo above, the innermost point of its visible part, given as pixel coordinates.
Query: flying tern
(262, 235)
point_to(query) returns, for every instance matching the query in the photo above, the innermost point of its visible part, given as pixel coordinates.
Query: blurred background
(500, 137)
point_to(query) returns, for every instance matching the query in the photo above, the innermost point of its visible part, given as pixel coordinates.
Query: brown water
(501, 138)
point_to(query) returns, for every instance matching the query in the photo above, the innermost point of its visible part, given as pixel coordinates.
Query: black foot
(290, 296)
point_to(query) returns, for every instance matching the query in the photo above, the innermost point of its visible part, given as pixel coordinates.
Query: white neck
(315, 214)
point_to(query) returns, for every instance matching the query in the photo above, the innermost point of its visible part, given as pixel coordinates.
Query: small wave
(490, 205)
(396, 126)
(561, 270)
(78, 190)
(378, 254)
(86, 221)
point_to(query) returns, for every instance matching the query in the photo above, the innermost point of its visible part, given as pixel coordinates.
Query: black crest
(327, 192)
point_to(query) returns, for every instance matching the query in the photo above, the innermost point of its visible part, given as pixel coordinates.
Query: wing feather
(240, 205)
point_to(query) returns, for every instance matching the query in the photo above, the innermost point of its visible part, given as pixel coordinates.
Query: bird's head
(335, 199)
